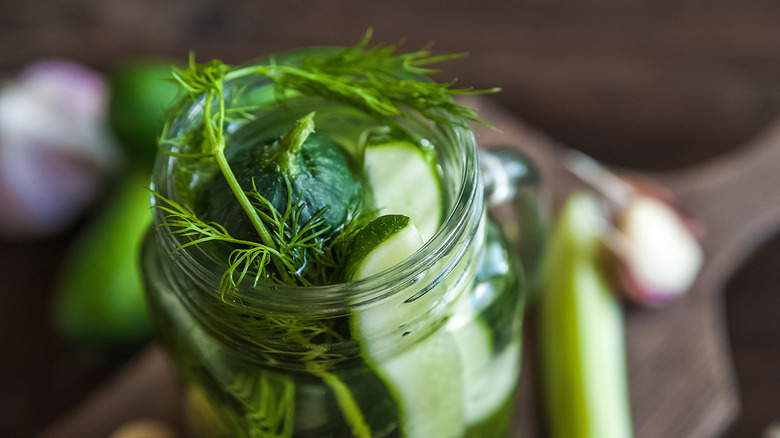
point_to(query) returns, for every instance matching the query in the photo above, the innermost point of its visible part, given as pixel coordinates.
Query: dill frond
(375, 79)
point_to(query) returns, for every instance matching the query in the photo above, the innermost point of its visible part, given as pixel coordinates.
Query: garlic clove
(654, 252)
(660, 256)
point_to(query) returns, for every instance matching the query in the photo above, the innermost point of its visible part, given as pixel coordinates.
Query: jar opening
(456, 164)
(459, 171)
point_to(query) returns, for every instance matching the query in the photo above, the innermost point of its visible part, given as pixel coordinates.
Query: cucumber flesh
(382, 244)
(426, 378)
(488, 381)
(446, 382)
(404, 181)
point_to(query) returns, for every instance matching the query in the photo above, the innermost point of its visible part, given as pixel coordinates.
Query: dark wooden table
(657, 86)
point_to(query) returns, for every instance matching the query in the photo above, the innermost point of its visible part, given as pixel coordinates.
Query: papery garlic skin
(55, 147)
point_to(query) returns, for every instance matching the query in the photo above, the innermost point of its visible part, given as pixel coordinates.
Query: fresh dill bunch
(376, 80)
(384, 83)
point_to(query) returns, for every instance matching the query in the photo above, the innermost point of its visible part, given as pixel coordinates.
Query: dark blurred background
(651, 85)
(654, 84)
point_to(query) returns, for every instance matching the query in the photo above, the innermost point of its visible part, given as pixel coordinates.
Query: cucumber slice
(382, 244)
(427, 382)
(404, 181)
(450, 380)
(426, 378)
(488, 380)
(490, 371)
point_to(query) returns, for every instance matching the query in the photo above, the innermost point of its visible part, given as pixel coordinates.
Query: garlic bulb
(55, 147)
(653, 249)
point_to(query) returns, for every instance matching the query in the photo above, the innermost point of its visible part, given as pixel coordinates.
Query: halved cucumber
(425, 378)
(581, 331)
(382, 244)
(404, 181)
(488, 380)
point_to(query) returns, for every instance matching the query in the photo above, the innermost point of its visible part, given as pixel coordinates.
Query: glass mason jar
(428, 348)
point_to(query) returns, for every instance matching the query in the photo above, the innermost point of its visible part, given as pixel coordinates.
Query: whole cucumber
(100, 301)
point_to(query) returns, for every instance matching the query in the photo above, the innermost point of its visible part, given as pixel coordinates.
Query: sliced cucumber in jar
(382, 244)
(405, 181)
(489, 379)
(425, 378)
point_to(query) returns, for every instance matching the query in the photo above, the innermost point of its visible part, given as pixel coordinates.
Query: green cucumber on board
(404, 180)
(581, 333)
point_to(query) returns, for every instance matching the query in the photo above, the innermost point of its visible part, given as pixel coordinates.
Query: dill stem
(218, 151)
(347, 403)
(249, 209)
(265, 236)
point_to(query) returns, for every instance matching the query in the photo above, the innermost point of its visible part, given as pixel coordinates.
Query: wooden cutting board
(680, 373)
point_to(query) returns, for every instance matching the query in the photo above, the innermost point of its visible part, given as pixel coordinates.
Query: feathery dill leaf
(375, 79)
(295, 243)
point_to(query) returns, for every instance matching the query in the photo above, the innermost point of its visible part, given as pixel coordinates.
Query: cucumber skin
(369, 238)
(322, 174)
(581, 332)
(100, 301)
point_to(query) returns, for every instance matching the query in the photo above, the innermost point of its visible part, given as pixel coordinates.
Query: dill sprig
(304, 250)
(269, 398)
(375, 79)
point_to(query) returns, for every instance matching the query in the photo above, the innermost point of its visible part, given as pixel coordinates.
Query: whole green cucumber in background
(100, 302)
(140, 92)
(581, 331)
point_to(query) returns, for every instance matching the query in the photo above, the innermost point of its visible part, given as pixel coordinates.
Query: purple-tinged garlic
(55, 148)
(655, 250)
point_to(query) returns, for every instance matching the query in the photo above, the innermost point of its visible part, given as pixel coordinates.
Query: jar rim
(467, 201)
(337, 296)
